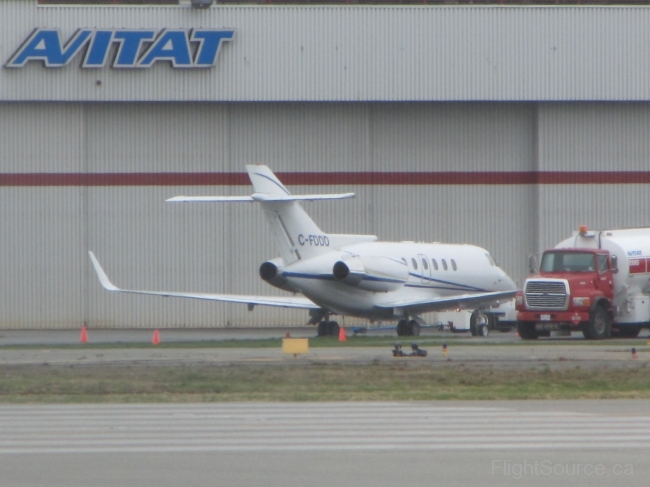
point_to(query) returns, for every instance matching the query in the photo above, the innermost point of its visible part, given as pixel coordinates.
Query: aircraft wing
(462, 301)
(277, 301)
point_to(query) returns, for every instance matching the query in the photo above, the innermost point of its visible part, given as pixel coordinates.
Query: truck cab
(573, 290)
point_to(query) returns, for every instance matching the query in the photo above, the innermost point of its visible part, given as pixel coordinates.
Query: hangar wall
(145, 243)
(504, 127)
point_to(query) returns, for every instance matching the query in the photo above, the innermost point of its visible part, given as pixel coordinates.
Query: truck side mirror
(532, 264)
(614, 264)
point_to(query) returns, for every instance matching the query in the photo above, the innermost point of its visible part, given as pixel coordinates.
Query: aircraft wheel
(401, 328)
(484, 330)
(476, 321)
(323, 329)
(414, 328)
(334, 328)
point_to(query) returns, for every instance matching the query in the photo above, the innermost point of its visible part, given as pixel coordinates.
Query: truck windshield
(567, 262)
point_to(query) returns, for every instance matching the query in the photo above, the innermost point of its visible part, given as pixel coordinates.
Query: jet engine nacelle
(379, 274)
(271, 272)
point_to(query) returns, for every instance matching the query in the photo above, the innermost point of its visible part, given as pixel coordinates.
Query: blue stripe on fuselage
(459, 287)
(329, 277)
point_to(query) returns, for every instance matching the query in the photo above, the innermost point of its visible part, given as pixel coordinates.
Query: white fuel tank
(632, 249)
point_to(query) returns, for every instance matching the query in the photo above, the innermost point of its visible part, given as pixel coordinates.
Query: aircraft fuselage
(381, 273)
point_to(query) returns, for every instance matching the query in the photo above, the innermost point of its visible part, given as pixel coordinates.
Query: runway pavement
(324, 444)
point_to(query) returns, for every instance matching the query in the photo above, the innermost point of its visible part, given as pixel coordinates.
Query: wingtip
(103, 278)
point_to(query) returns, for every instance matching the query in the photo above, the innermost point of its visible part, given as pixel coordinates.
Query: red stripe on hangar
(493, 178)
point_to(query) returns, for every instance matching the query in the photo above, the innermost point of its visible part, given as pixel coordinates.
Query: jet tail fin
(296, 234)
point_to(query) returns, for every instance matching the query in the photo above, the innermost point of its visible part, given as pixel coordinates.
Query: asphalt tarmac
(451, 443)
(497, 350)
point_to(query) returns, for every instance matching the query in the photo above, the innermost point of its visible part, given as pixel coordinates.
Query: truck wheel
(477, 320)
(599, 325)
(526, 330)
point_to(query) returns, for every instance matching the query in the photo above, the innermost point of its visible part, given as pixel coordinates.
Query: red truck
(597, 282)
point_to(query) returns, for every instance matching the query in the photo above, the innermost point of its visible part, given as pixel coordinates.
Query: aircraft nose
(508, 283)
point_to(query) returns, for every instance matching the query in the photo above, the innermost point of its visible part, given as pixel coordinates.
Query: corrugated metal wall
(610, 138)
(146, 243)
(356, 90)
(353, 53)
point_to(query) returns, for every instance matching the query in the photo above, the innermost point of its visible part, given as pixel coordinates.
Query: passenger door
(426, 269)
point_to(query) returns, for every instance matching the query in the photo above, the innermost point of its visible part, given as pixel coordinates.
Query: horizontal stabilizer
(299, 302)
(262, 197)
(208, 199)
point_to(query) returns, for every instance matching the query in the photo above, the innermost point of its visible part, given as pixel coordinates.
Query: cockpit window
(567, 262)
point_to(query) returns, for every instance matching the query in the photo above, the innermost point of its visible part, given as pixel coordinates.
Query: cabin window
(435, 264)
(415, 263)
(444, 264)
(453, 265)
(425, 264)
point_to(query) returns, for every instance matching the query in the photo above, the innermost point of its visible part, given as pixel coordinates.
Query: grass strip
(313, 382)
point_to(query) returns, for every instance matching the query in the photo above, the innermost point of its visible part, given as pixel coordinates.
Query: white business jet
(354, 275)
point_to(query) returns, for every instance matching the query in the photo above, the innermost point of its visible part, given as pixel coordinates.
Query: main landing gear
(408, 328)
(328, 328)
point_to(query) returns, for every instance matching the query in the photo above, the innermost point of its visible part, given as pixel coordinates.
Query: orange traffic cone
(342, 337)
(83, 338)
(155, 340)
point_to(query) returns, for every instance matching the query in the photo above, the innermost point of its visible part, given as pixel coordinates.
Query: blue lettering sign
(209, 43)
(130, 43)
(45, 45)
(171, 45)
(136, 47)
(98, 50)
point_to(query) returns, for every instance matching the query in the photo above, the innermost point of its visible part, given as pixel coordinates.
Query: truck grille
(546, 295)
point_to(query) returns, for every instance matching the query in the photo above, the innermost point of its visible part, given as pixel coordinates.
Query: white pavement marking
(249, 427)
